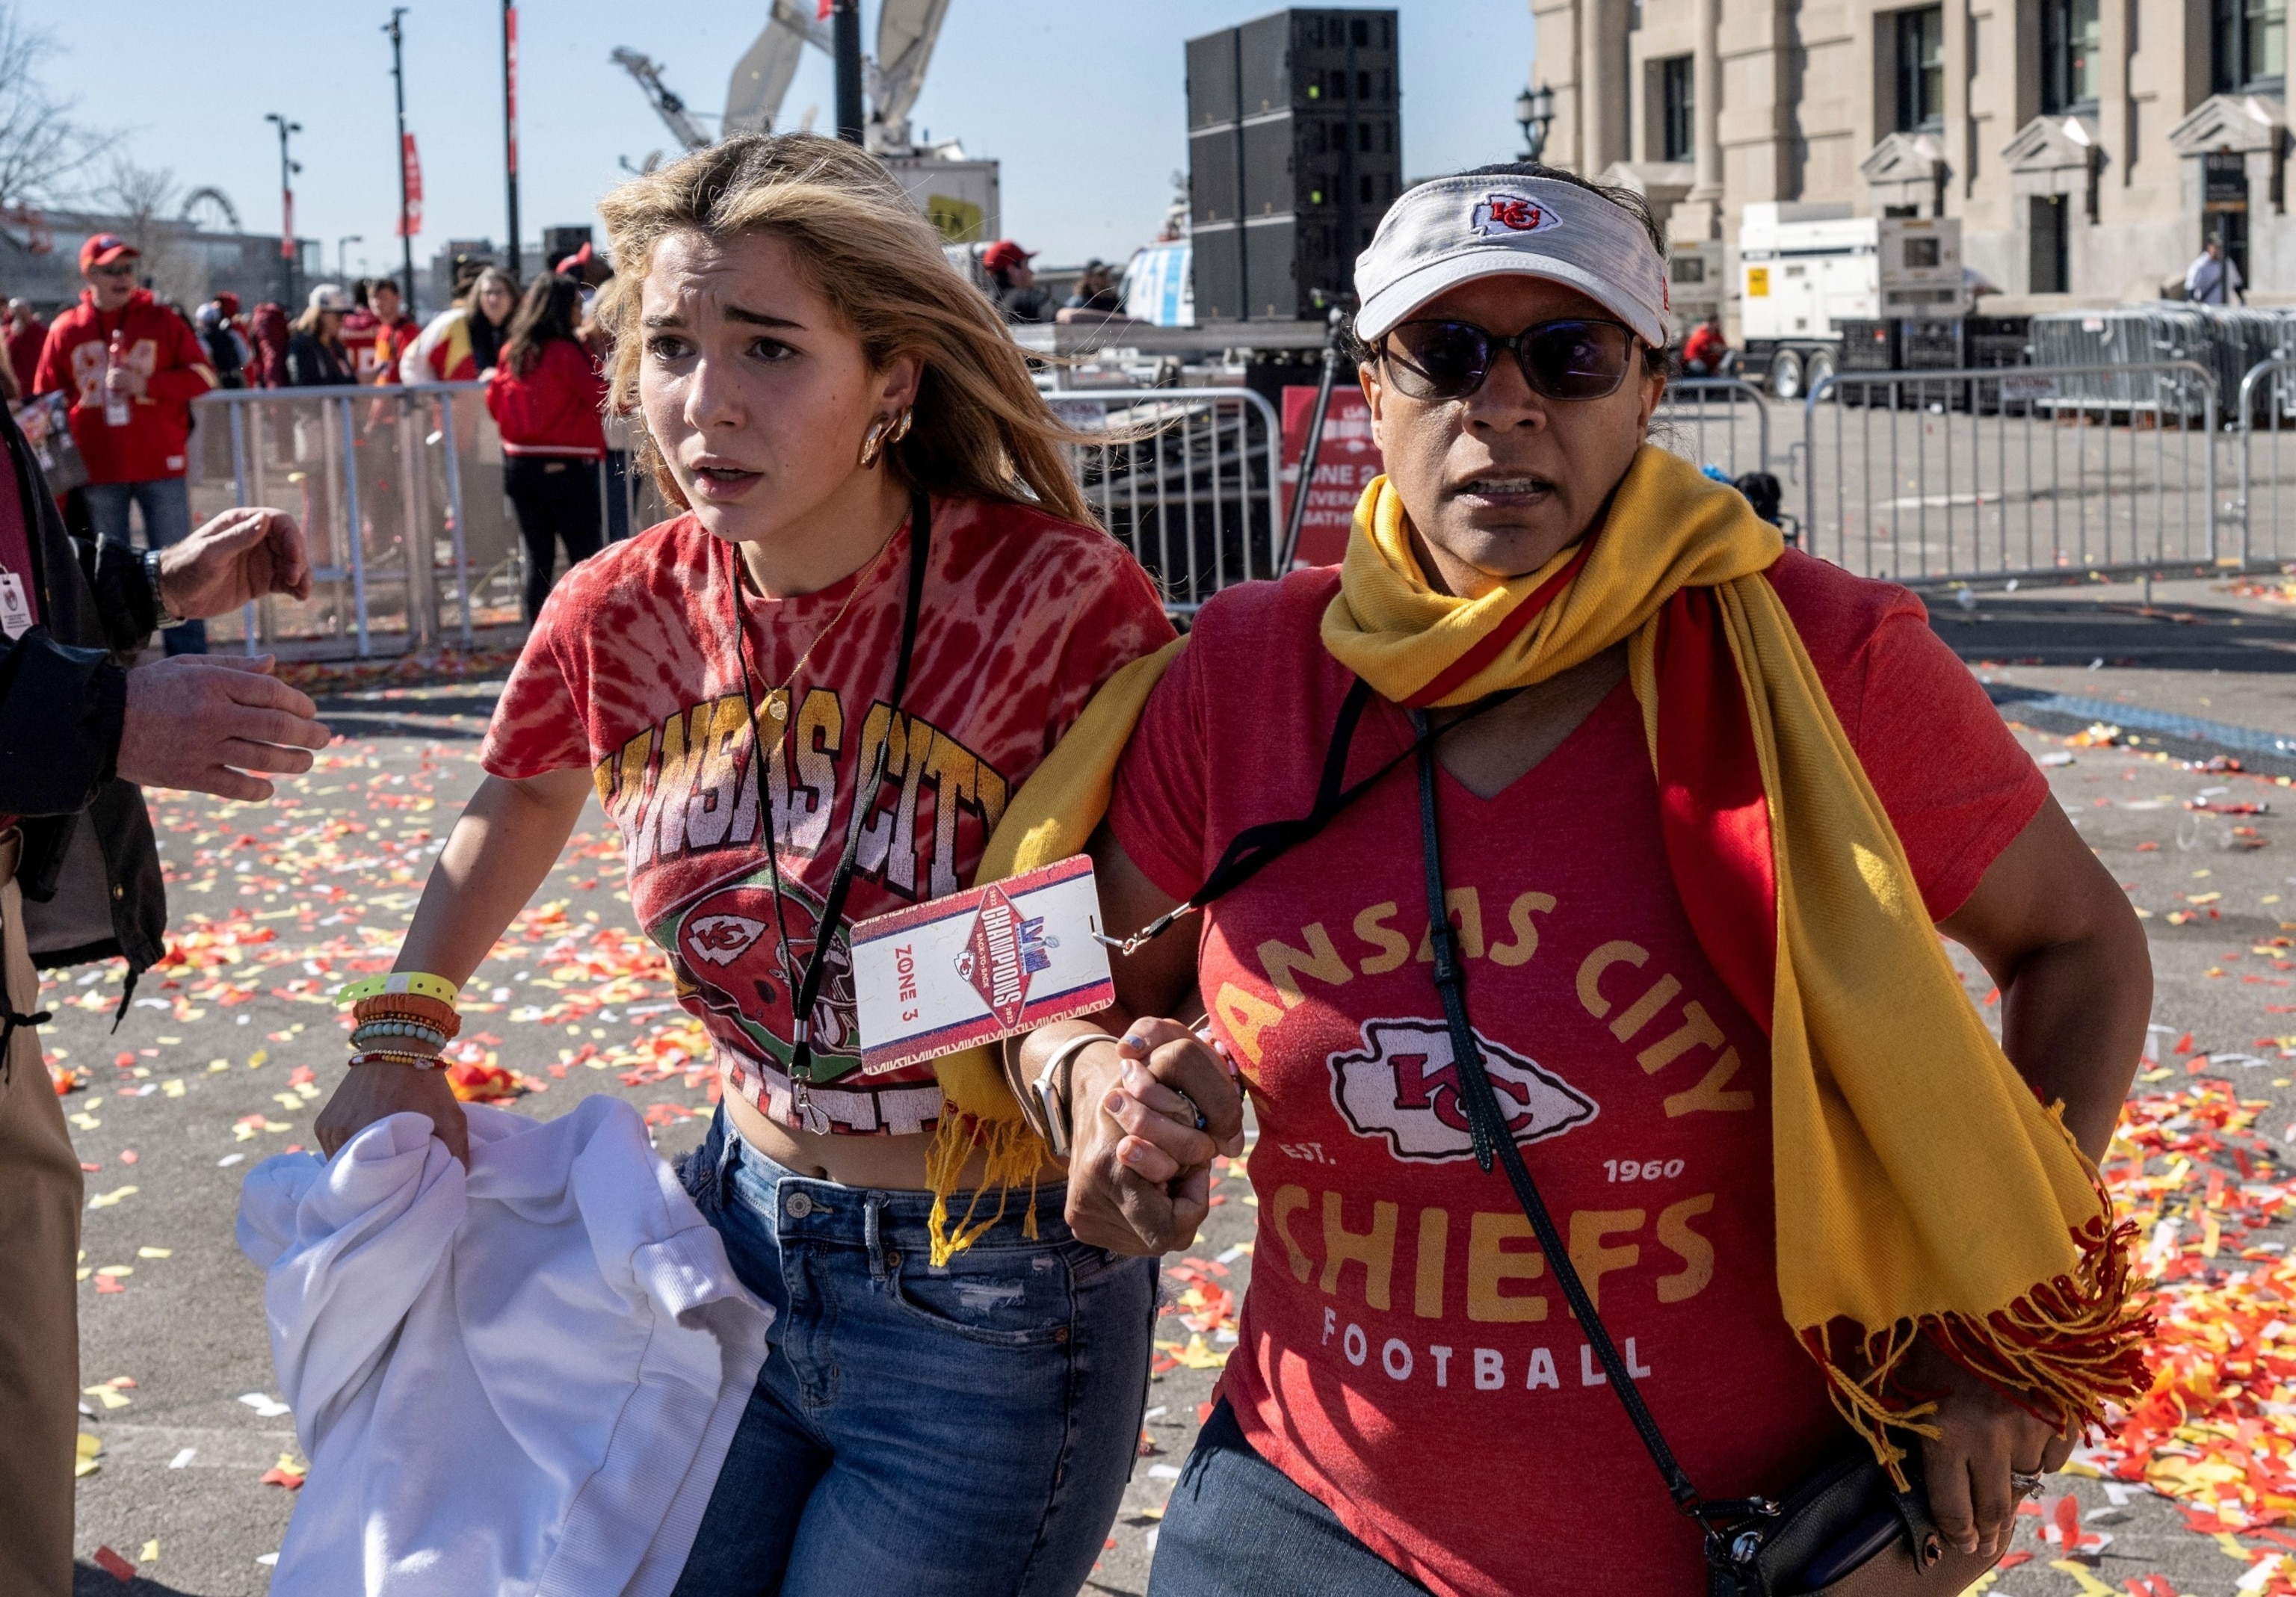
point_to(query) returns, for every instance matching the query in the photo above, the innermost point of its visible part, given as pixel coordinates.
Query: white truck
(1803, 269)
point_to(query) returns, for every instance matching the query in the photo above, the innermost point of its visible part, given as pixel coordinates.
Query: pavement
(225, 1055)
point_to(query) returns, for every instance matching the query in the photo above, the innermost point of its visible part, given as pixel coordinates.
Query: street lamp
(342, 256)
(287, 170)
(1534, 112)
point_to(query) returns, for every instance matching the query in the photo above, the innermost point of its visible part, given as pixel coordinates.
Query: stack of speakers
(1295, 150)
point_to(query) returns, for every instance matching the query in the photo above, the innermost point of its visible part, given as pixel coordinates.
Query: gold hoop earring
(873, 443)
(901, 427)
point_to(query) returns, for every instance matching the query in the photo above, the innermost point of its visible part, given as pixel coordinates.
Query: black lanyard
(805, 990)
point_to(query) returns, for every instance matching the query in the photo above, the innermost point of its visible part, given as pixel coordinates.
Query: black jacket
(314, 365)
(90, 869)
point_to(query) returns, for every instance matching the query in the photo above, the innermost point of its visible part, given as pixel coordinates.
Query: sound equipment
(1295, 150)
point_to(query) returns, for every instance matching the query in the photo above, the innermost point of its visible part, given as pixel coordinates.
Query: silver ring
(1200, 1122)
(2024, 1484)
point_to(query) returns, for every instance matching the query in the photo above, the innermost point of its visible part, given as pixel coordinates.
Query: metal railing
(2267, 539)
(1723, 421)
(2021, 472)
(1188, 479)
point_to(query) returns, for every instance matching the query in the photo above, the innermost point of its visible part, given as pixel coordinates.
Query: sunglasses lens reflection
(1577, 360)
(1561, 360)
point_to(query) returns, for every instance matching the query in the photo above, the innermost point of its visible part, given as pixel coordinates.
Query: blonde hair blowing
(981, 428)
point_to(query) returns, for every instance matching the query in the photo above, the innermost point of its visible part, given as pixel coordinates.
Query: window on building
(2072, 54)
(1678, 105)
(2249, 46)
(2052, 242)
(1921, 70)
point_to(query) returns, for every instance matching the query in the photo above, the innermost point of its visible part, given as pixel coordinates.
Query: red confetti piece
(113, 1565)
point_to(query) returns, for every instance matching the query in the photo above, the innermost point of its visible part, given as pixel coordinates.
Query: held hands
(1983, 1436)
(202, 721)
(240, 556)
(371, 1091)
(1140, 1181)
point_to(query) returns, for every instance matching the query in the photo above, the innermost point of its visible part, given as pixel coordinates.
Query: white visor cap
(1454, 230)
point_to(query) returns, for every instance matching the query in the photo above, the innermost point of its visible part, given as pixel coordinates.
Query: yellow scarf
(1920, 1185)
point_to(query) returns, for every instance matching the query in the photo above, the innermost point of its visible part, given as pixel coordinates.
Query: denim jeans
(1236, 1526)
(166, 502)
(962, 1432)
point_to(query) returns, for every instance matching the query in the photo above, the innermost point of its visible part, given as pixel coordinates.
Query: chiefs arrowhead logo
(1500, 215)
(1404, 1087)
(721, 939)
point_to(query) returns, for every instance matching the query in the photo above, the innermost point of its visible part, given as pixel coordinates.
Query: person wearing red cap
(1012, 283)
(132, 367)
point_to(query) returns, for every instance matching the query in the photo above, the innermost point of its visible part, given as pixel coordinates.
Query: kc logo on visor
(1500, 215)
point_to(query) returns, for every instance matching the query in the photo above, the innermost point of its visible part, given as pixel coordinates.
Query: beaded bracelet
(426, 1011)
(375, 1030)
(401, 982)
(384, 1056)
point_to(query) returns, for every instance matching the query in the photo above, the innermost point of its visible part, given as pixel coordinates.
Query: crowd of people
(884, 650)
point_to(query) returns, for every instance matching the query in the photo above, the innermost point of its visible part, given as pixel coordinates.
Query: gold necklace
(777, 699)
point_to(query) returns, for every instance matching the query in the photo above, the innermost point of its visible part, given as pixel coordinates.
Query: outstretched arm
(509, 836)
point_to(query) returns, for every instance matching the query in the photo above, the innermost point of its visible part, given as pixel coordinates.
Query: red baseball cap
(105, 249)
(580, 257)
(1004, 255)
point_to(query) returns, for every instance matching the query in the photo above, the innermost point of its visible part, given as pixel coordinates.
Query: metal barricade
(1721, 421)
(2267, 417)
(2029, 471)
(1187, 478)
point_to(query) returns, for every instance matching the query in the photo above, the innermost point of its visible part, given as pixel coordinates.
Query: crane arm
(672, 110)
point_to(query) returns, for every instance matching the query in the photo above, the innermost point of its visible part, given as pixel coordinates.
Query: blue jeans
(965, 1432)
(1238, 1527)
(166, 506)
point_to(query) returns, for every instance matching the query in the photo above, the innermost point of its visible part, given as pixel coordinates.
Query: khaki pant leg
(39, 1308)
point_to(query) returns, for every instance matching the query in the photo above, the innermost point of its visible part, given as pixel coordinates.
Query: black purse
(1844, 1530)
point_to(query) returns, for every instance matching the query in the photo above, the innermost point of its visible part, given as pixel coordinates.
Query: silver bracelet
(1059, 1130)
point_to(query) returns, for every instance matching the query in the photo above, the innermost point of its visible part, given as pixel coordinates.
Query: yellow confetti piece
(111, 1397)
(84, 1273)
(117, 1194)
(173, 1087)
(117, 1270)
(218, 1064)
(155, 1253)
(86, 1448)
(2090, 1585)
(2230, 1545)
(151, 1553)
(255, 1059)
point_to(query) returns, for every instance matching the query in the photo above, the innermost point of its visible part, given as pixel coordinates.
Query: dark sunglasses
(1570, 359)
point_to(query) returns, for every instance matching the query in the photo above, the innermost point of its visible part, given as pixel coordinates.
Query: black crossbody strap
(1488, 1128)
(833, 908)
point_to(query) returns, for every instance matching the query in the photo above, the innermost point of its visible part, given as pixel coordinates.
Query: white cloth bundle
(520, 1380)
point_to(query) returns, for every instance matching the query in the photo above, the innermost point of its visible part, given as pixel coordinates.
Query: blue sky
(1081, 101)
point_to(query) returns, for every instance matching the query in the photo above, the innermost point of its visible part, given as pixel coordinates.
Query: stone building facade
(2087, 146)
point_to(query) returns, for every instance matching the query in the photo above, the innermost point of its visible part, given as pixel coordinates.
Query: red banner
(410, 219)
(510, 86)
(286, 223)
(822, 14)
(1345, 462)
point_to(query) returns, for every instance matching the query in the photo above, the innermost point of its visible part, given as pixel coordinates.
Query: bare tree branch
(42, 149)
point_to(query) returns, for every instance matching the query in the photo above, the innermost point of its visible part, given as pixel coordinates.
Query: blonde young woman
(886, 583)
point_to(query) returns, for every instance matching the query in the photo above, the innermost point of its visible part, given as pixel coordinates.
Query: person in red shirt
(360, 324)
(394, 331)
(1706, 353)
(1413, 1406)
(544, 395)
(22, 336)
(133, 367)
(885, 605)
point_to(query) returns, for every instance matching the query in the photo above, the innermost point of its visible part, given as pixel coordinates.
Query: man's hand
(201, 721)
(1983, 1435)
(240, 556)
(1140, 1179)
(370, 1093)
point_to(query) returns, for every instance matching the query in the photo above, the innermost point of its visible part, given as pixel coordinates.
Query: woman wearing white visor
(1675, 1094)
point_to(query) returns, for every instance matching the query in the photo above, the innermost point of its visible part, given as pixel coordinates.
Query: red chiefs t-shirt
(630, 672)
(1406, 1355)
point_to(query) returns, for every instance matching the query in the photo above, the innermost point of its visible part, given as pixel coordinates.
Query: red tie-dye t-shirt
(1406, 1356)
(630, 672)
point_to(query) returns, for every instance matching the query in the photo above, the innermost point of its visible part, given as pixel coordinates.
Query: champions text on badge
(979, 965)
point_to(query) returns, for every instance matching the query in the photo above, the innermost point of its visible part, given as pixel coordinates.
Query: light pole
(398, 90)
(342, 257)
(1534, 112)
(510, 123)
(845, 26)
(287, 170)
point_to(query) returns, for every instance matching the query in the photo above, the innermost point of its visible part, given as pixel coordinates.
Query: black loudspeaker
(1295, 150)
